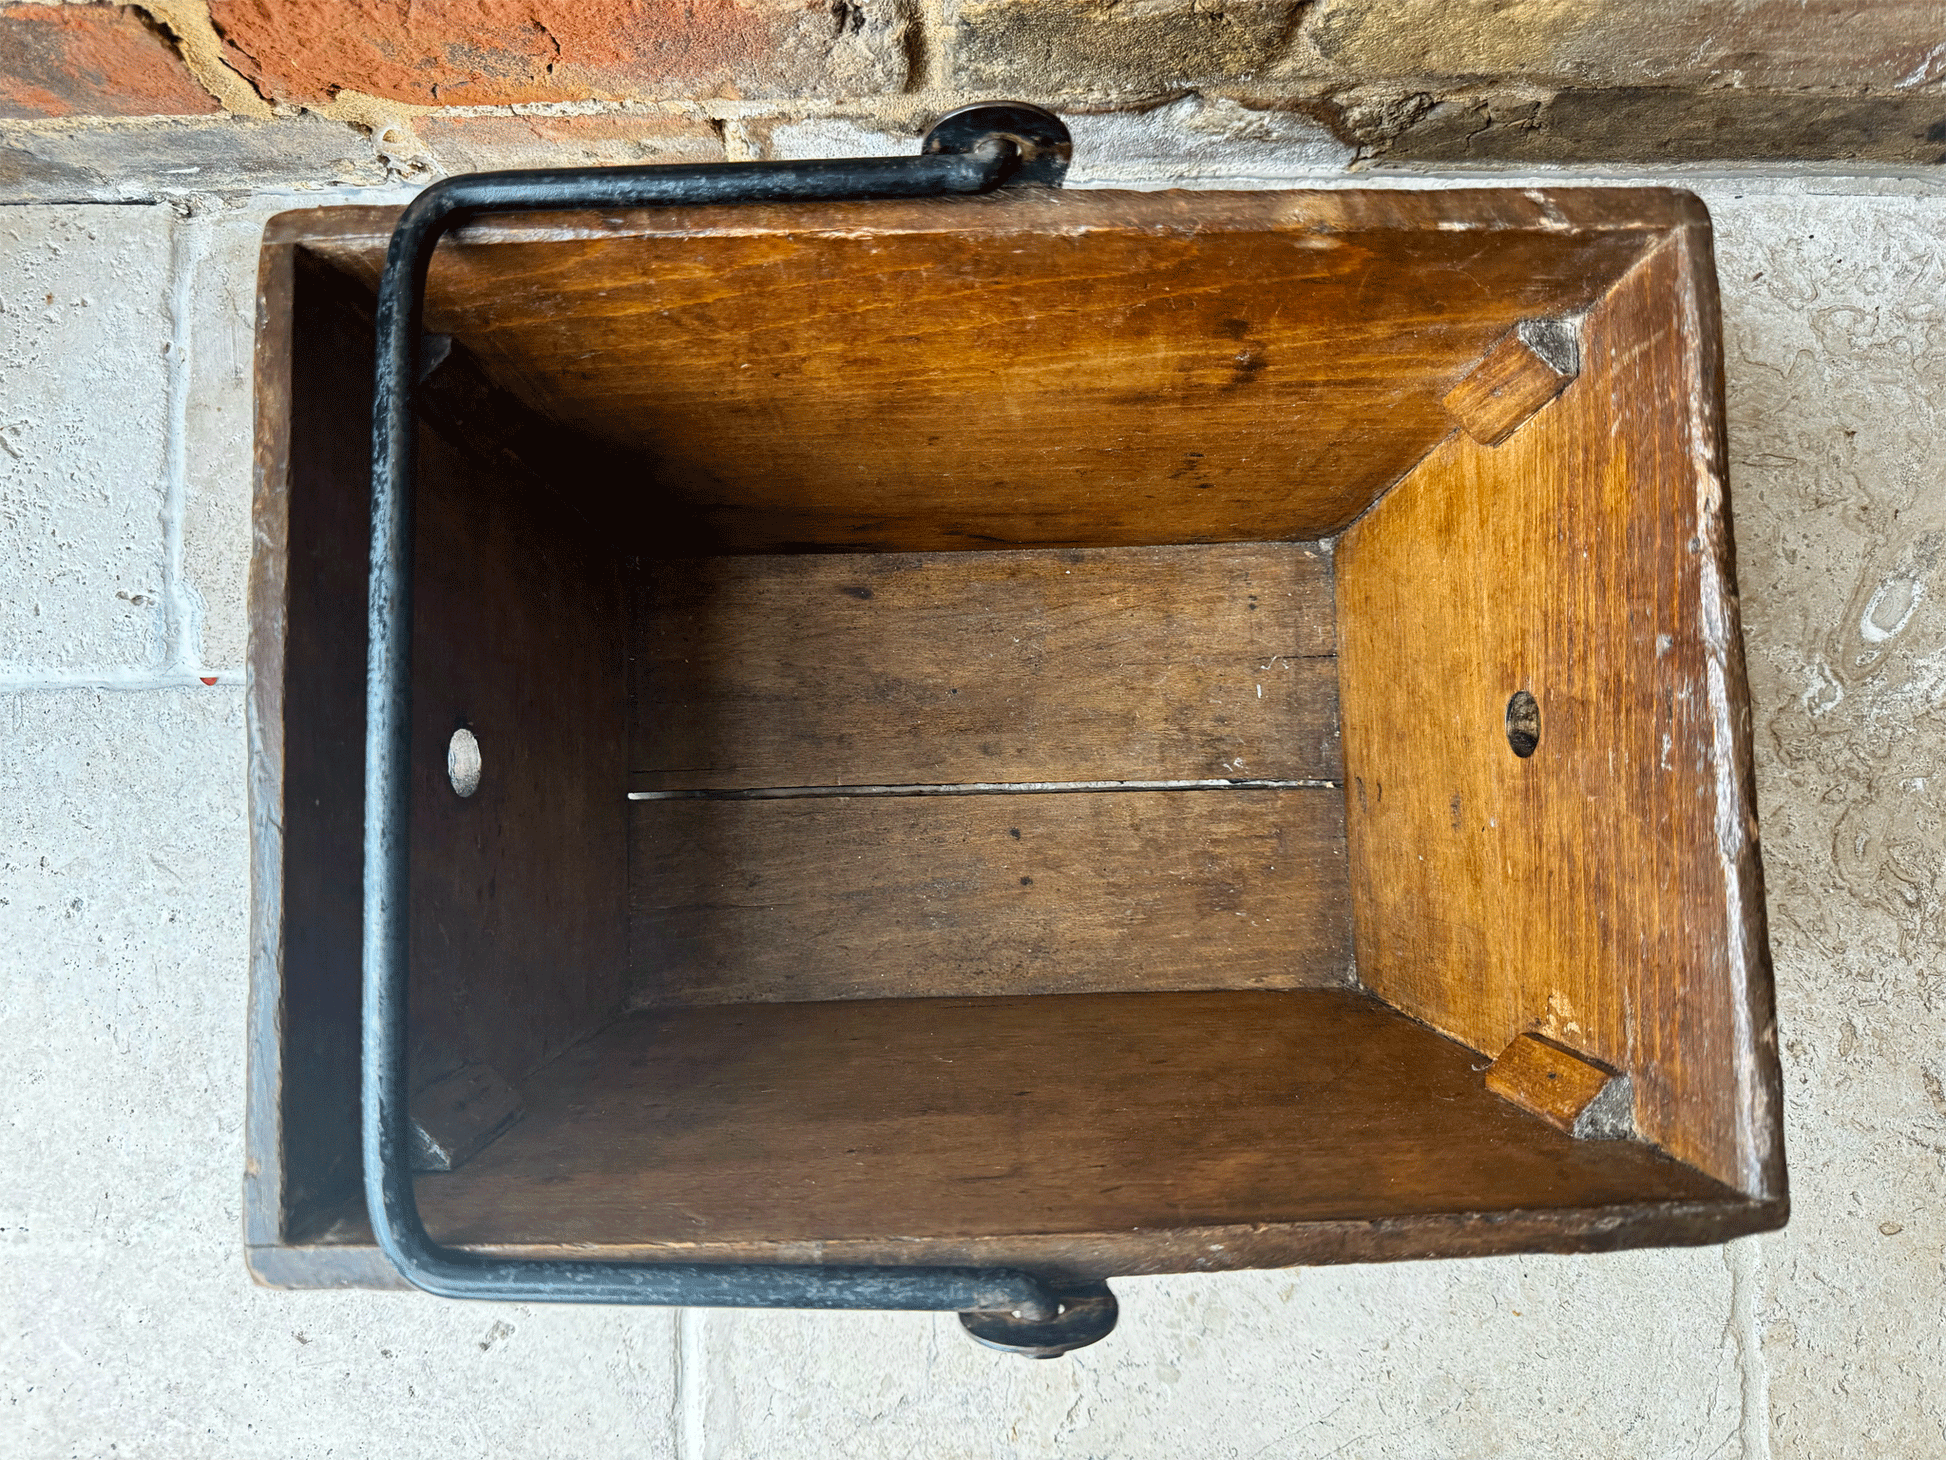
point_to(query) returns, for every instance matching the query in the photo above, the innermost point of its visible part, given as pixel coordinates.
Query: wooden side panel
(1604, 890)
(848, 898)
(519, 892)
(519, 895)
(1101, 1134)
(1180, 663)
(1022, 370)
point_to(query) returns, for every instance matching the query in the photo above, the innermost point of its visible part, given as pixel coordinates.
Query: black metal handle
(973, 150)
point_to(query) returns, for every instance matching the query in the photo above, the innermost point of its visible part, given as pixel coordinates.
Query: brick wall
(200, 93)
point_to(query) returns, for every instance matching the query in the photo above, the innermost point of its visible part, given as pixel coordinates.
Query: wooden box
(1096, 732)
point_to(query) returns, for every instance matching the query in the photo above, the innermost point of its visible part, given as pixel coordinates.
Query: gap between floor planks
(978, 788)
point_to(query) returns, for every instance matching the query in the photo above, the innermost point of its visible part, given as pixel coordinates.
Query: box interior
(915, 659)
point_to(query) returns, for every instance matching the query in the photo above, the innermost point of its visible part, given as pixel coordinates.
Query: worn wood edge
(263, 1183)
(366, 229)
(360, 1265)
(1759, 1072)
(1142, 1252)
(302, 226)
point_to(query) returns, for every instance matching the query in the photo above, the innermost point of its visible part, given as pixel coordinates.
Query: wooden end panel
(1091, 368)
(1605, 889)
(307, 717)
(918, 896)
(1170, 663)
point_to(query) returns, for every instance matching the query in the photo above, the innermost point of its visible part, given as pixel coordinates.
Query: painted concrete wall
(128, 1326)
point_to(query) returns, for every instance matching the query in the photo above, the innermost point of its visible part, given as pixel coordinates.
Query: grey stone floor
(128, 1326)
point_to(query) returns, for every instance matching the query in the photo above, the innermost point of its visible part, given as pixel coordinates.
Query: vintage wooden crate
(1053, 730)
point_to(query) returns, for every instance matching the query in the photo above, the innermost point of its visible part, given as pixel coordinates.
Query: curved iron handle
(974, 150)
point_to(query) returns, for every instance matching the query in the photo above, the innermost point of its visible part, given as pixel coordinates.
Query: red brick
(92, 60)
(493, 52)
(482, 144)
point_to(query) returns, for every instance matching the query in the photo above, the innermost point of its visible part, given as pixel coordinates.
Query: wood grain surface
(924, 896)
(1087, 369)
(1175, 663)
(1140, 408)
(520, 891)
(1606, 889)
(916, 1126)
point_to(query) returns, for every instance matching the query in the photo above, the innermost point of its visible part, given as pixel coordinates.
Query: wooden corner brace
(1567, 1090)
(455, 1118)
(1533, 363)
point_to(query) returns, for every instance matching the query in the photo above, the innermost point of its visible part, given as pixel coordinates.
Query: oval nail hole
(1523, 723)
(463, 762)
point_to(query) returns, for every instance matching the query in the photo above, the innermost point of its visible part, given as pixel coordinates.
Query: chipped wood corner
(1569, 1091)
(1532, 363)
